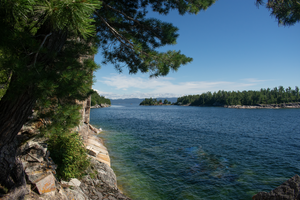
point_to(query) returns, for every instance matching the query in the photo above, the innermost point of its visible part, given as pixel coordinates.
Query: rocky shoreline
(102, 105)
(258, 106)
(100, 181)
(266, 106)
(41, 182)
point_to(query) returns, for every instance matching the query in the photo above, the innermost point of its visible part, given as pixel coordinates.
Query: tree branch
(130, 18)
(37, 53)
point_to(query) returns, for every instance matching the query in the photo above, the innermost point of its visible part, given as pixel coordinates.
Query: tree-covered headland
(154, 102)
(96, 99)
(276, 95)
(46, 59)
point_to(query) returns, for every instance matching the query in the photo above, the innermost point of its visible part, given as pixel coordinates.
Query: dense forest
(97, 99)
(153, 102)
(264, 96)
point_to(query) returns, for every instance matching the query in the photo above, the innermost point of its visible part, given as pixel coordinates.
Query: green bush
(68, 152)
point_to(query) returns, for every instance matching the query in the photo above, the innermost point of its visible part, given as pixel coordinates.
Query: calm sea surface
(174, 152)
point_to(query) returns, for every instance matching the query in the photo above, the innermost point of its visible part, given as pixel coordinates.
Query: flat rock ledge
(289, 190)
(95, 145)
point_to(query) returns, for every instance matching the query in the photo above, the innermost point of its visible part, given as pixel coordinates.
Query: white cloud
(124, 82)
(253, 80)
(129, 86)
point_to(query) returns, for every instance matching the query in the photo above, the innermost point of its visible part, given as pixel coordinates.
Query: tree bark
(16, 106)
(13, 114)
(11, 172)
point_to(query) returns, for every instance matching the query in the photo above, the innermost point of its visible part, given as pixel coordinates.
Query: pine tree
(46, 50)
(41, 43)
(287, 12)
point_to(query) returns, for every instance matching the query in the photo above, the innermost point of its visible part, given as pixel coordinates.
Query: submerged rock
(289, 190)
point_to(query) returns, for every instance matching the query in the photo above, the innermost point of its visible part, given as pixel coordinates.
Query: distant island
(265, 98)
(154, 102)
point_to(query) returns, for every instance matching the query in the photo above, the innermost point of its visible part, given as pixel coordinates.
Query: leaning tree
(45, 50)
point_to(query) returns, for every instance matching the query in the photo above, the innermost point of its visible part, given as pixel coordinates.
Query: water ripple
(171, 152)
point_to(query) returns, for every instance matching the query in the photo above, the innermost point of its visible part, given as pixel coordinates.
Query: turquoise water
(173, 152)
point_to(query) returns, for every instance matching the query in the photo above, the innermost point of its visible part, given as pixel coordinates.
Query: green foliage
(69, 153)
(287, 12)
(58, 117)
(167, 102)
(73, 15)
(264, 96)
(153, 102)
(34, 34)
(94, 174)
(128, 38)
(66, 148)
(96, 99)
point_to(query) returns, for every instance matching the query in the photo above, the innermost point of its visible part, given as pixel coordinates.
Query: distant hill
(136, 101)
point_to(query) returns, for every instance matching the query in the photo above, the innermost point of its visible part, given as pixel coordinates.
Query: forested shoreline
(96, 99)
(250, 98)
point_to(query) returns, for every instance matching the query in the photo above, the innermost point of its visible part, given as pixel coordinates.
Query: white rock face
(96, 149)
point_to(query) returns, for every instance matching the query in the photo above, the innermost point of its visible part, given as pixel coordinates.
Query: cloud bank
(137, 87)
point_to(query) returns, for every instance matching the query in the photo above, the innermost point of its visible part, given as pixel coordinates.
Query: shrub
(68, 152)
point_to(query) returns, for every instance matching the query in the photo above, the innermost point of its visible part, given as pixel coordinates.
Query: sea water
(176, 152)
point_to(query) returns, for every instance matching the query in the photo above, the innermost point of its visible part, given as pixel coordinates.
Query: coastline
(257, 197)
(100, 181)
(258, 106)
(101, 105)
(266, 106)
(95, 142)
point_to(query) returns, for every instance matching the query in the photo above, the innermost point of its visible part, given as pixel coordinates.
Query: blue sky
(234, 46)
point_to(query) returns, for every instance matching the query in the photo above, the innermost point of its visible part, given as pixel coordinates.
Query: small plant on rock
(69, 153)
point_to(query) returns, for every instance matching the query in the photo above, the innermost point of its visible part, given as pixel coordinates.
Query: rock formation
(100, 183)
(41, 183)
(289, 190)
(102, 105)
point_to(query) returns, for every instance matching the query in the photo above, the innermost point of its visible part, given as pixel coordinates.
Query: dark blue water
(173, 152)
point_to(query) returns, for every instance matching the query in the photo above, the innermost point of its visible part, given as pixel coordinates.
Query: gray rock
(289, 190)
(76, 193)
(46, 184)
(112, 198)
(74, 182)
(105, 173)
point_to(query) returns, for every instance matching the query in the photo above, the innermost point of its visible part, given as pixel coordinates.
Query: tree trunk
(15, 108)
(12, 172)
(14, 112)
